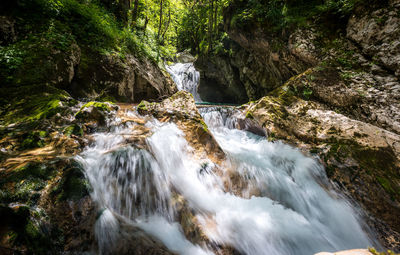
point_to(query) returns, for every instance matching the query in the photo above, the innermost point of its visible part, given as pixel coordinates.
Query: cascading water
(186, 78)
(286, 206)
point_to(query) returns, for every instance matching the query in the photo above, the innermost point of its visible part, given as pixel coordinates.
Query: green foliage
(199, 27)
(341, 7)
(56, 24)
(276, 15)
(307, 92)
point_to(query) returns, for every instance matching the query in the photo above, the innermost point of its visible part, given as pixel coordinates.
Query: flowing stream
(284, 204)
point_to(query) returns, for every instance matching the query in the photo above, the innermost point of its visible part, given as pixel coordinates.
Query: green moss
(379, 163)
(307, 92)
(74, 129)
(271, 137)
(27, 182)
(385, 183)
(101, 107)
(249, 115)
(34, 139)
(143, 106)
(107, 98)
(204, 125)
(73, 185)
(32, 103)
(375, 252)
(98, 105)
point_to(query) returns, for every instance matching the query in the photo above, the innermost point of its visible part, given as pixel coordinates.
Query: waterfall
(286, 205)
(186, 78)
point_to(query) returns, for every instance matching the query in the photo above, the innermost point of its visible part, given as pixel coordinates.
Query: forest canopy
(157, 29)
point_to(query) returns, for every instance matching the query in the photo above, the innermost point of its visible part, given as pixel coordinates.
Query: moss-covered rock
(25, 233)
(95, 111)
(362, 158)
(73, 185)
(74, 129)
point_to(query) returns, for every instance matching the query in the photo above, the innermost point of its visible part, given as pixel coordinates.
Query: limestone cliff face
(377, 33)
(258, 63)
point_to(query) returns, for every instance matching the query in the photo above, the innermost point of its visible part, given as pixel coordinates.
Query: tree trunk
(135, 12)
(216, 18)
(160, 24)
(210, 26)
(166, 28)
(145, 24)
(125, 5)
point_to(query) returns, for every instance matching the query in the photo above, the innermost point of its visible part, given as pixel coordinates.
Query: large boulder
(124, 80)
(97, 112)
(181, 109)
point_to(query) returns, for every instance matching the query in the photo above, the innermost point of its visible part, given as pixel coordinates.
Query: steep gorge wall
(258, 62)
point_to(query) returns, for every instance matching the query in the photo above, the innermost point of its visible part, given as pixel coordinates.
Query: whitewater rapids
(294, 211)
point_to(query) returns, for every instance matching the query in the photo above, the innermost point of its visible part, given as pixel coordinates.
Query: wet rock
(96, 112)
(185, 57)
(58, 215)
(358, 95)
(362, 158)
(181, 109)
(258, 63)
(220, 82)
(128, 80)
(65, 66)
(377, 32)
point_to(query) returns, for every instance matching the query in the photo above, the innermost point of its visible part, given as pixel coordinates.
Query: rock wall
(257, 62)
(377, 33)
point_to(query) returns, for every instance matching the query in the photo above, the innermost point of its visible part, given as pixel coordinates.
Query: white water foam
(186, 78)
(286, 206)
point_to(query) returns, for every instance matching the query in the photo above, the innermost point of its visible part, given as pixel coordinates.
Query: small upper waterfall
(186, 78)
